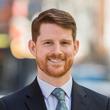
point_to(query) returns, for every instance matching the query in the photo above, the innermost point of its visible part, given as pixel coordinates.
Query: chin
(57, 73)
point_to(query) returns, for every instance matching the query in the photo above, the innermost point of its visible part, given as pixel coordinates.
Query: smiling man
(54, 51)
(54, 46)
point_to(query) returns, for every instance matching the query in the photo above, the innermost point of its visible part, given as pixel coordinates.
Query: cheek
(69, 56)
(69, 52)
(41, 54)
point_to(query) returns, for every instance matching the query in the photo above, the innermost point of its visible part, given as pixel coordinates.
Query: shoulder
(90, 98)
(93, 94)
(17, 94)
(19, 100)
(96, 99)
(15, 99)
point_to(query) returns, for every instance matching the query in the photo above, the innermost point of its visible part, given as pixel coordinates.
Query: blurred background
(92, 65)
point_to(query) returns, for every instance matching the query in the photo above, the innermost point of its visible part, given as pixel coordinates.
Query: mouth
(56, 61)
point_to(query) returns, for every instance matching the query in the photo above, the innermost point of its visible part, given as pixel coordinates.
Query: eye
(65, 43)
(47, 43)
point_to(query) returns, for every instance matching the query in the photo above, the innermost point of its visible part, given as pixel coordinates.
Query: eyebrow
(68, 40)
(43, 40)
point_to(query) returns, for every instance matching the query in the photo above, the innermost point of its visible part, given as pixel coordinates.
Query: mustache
(56, 56)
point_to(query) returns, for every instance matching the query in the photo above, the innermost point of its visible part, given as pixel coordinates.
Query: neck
(55, 81)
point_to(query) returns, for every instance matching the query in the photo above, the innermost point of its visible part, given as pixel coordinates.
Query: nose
(57, 49)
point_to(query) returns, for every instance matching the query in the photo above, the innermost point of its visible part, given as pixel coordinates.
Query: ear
(76, 46)
(32, 47)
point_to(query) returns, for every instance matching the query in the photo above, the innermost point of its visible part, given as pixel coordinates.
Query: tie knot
(59, 94)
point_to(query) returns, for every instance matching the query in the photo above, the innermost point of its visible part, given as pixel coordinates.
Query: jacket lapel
(35, 99)
(79, 98)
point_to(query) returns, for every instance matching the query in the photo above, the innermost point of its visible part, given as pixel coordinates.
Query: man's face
(54, 50)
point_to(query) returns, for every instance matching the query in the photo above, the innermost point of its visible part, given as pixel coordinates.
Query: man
(54, 47)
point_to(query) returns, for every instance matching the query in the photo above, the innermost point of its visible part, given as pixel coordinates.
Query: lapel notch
(34, 98)
(79, 98)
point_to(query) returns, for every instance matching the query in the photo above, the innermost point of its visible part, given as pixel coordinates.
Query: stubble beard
(55, 72)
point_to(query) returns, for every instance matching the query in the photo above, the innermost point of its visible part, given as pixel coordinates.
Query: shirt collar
(47, 88)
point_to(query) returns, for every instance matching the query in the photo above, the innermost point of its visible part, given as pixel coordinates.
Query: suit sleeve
(2, 106)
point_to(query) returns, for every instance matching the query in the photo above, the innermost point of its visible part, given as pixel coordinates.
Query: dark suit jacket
(31, 98)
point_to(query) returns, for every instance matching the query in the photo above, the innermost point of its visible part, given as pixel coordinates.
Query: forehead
(50, 30)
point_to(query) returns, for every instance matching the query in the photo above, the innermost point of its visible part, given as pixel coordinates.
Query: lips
(56, 61)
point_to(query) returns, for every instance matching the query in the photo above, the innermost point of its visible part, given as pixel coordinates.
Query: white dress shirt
(50, 100)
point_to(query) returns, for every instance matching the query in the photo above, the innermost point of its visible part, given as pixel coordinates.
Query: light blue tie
(60, 95)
